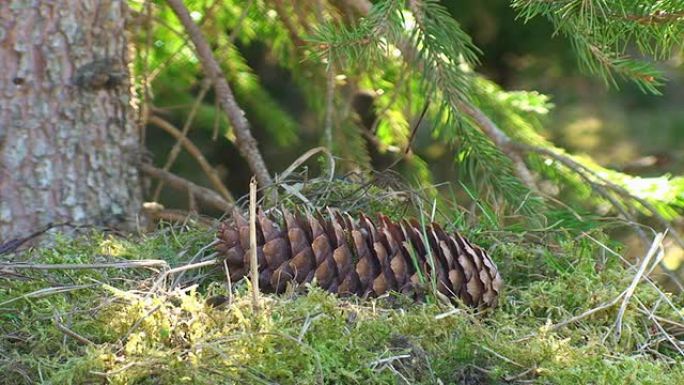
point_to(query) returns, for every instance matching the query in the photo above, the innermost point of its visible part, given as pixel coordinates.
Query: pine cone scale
(360, 257)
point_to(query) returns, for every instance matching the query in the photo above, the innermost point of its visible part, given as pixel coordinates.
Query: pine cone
(359, 257)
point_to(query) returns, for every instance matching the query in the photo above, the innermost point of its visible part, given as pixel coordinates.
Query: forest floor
(572, 312)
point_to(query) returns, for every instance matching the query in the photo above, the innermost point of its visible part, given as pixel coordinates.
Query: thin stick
(501, 356)
(329, 106)
(387, 360)
(238, 26)
(46, 292)
(194, 258)
(291, 28)
(70, 332)
(630, 290)
(245, 142)
(175, 150)
(137, 323)
(158, 213)
(253, 261)
(81, 266)
(210, 197)
(196, 153)
(655, 246)
(197, 265)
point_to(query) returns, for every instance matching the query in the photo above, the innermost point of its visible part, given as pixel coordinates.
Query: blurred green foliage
(517, 62)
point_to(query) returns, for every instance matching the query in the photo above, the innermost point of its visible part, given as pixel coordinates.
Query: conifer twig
(245, 142)
(501, 140)
(486, 125)
(585, 172)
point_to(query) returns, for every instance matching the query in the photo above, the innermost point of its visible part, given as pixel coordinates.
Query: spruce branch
(602, 33)
(656, 17)
(427, 51)
(603, 185)
(517, 138)
(501, 140)
(245, 142)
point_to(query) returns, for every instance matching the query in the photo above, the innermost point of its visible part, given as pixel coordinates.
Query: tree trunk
(68, 135)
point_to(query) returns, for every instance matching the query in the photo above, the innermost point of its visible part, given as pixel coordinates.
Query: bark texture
(68, 135)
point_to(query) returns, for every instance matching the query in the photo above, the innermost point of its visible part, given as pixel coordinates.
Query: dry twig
(195, 152)
(62, 328)
(625, 295)
(180, 140)
(284, 15)
(245, 142)
(253, 261)
(47, 291)
(130, 264)
(179, 269)
(655, 246)
(210, 197)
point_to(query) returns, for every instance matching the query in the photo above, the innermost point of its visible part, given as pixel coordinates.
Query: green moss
(172, 337)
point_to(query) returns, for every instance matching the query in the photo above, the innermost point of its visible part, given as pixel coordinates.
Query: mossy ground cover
(110, 327)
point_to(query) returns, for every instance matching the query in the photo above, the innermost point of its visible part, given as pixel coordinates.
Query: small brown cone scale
(361, 257)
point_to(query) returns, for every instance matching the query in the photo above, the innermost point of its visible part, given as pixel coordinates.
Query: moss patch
(172, 337)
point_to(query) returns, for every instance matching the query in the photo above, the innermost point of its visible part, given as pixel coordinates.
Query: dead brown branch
(182, 142)
(209, 197)
(245, 142)
(195, 153)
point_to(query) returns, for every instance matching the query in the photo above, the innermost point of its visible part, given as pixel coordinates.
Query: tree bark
(68, 135)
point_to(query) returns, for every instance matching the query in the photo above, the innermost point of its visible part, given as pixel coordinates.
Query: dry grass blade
(627, 294)
(47, 291)
(304, 157)
(253, 262)
(163, 277)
